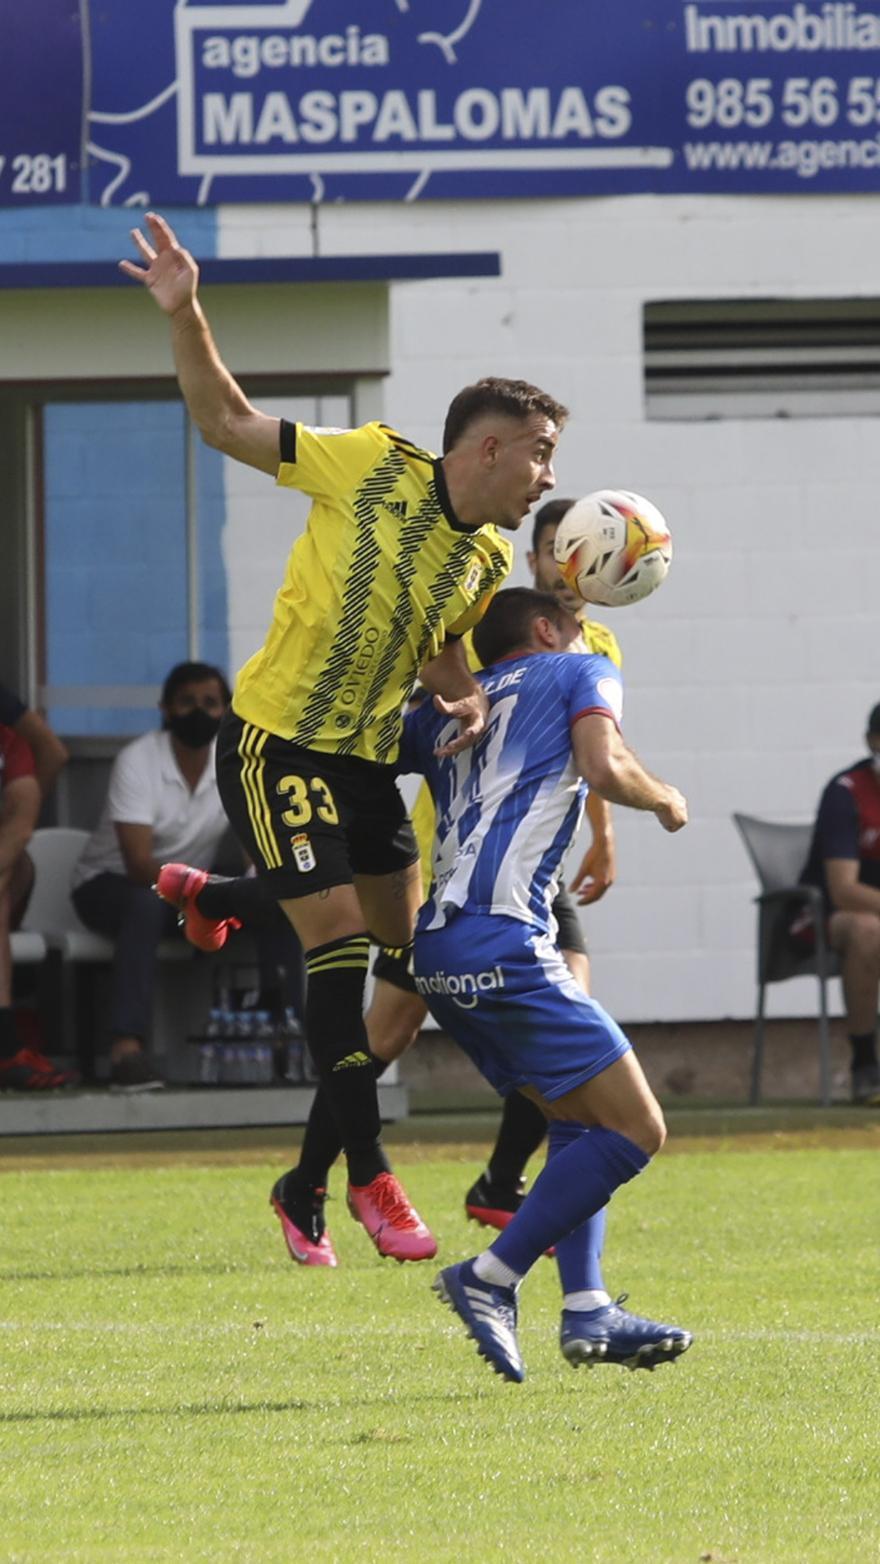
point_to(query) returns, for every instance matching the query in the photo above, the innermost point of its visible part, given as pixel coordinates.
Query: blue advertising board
(304, 100)
(41, 103)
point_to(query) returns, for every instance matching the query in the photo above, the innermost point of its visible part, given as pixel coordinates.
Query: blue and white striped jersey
(508, 808)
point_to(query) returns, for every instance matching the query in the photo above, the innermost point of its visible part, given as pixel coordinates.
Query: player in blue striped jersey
(486, 963)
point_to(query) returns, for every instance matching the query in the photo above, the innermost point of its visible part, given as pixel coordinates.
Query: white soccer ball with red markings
(613, 548)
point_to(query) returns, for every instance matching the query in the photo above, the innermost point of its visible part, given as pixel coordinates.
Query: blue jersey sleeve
(837, 823)
(596, 686)
(417, 740)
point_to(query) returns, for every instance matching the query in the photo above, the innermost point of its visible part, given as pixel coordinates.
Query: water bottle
(209, 1064)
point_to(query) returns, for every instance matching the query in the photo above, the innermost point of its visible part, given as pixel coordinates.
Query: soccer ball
(613, 548)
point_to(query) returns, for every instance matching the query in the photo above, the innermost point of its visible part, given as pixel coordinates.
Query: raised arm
(609, 766)
(216, 402)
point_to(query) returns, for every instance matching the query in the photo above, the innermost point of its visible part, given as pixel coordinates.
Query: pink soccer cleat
(179, 885)
(308, 1243)
(394, 1225)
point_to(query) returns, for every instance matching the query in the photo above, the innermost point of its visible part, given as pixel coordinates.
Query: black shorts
(308, 820)
(395, 967)
(571, 935)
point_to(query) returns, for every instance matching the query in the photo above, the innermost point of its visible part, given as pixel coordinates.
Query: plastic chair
(52, 917)
(778, 852)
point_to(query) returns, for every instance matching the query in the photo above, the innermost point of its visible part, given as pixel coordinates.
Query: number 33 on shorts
(301, 806)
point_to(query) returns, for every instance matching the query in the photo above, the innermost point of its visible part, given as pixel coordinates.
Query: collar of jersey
(445, 501)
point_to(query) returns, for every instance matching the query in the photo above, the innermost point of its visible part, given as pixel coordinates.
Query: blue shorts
(504, 993)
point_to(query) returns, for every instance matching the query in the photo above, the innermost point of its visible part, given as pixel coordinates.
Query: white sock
(590, 1298)
(489, 1269)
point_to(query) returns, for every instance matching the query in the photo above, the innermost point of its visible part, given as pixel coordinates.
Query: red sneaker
(30, 1071)
(393, 1224)
(179, 885)
(308, 1243)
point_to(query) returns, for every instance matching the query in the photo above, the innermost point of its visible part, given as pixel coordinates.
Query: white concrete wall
(750, 674)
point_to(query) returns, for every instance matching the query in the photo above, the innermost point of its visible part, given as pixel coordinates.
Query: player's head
(499, 441)
(194, 697)
(542, 561)
(872, 735)
(519, 619)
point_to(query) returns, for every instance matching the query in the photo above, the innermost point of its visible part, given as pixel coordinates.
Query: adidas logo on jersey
(397, 508)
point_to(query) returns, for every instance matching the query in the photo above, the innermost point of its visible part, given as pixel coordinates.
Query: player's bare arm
(457, 694)
(19, 809)
(846, 890)
(215, 400)
(609, 765)
(598, 867)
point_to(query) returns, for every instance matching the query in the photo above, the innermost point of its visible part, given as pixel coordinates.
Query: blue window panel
(115, 508)
(213, 598)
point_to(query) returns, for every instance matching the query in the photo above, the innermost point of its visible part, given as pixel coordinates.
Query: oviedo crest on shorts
(303, 852)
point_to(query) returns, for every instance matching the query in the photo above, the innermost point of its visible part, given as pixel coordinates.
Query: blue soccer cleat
(489, 1315)
(612, 1335)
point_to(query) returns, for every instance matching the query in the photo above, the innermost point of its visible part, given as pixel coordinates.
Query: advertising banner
(306, 100)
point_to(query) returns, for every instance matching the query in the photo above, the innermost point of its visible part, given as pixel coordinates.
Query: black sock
(9, 1043)
(520, 1133)
(337, 1040)
(246, 898)
(322, 1141)
(864, 1049)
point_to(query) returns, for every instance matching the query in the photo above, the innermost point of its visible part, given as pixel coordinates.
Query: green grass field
(175, 1389)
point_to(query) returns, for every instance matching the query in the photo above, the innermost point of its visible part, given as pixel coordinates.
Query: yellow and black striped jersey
(598, 638)
(383, 572)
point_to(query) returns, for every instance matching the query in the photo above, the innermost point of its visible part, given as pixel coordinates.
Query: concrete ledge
(96, 1112)
(692, 1061)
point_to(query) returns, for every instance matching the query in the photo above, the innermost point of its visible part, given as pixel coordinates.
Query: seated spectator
(844, 862)
(30, 758)
(162, 803)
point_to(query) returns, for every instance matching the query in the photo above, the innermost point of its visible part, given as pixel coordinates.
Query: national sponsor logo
(463, 988)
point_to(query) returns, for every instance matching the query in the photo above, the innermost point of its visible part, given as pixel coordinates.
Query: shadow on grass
(159, 1271)
(225, 1408)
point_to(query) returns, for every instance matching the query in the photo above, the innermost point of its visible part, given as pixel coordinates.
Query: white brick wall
(750, 674)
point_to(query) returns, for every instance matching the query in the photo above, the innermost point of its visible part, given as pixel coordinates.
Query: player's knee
(648, 1129)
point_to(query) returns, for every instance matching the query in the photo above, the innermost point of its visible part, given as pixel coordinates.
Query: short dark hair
(507, 622)
(874, 720)
(550, 515)
(192, 673)
(513, 398)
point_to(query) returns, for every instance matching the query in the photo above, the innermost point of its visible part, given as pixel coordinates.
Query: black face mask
(194, 728)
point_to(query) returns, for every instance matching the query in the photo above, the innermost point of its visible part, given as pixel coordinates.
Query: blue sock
(579, 1254)
(576, 1183)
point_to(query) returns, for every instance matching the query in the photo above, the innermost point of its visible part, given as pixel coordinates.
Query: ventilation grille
(762, 358)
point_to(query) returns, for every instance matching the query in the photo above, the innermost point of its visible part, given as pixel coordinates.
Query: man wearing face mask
(844, 862)
(162, 803)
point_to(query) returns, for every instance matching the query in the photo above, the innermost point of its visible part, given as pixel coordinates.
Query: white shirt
(148, 788)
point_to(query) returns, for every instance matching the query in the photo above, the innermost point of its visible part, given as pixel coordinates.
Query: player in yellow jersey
(400, 555)
(397, 1011)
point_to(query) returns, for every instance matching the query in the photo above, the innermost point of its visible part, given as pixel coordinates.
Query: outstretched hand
(471, 711)
(169, 271)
